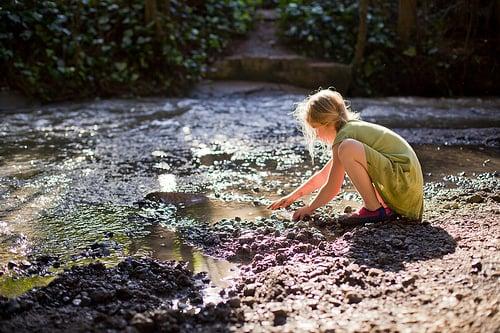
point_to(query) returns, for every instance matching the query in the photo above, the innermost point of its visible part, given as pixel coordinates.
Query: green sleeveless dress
(393, 166)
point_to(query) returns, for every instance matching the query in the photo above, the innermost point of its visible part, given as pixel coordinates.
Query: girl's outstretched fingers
(281, 203)
(302, 213)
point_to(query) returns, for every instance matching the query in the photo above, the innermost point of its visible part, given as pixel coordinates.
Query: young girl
(382, 166)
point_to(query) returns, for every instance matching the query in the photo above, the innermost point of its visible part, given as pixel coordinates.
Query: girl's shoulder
(360, 130)
(352, 125)
(358, 124)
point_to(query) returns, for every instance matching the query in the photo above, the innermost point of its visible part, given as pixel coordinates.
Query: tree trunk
(151, 15)
(407, 19)
(497, 14)
(362, 32)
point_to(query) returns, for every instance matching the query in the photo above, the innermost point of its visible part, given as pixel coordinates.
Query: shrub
(444, 58)
(57, 50)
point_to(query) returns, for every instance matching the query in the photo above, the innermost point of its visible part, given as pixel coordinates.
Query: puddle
(438, 162)
(165, 244)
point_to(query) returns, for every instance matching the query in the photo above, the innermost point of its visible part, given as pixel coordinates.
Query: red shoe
(364, 215)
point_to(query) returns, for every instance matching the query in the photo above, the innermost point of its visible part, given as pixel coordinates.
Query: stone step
(288, 69)
(262, 57)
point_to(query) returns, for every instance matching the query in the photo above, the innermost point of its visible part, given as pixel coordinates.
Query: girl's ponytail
(322, 108)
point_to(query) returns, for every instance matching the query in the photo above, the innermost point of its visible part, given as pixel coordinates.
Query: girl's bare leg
(379, 198)
(352, 155)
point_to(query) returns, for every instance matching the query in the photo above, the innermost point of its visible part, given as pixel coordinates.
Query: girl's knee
(349, 148)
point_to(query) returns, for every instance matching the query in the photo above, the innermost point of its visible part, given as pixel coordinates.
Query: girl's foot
(364, 215)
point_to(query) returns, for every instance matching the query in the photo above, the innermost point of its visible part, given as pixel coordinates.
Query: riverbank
(73, 178)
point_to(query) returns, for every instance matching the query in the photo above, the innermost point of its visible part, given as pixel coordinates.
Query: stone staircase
(261, 57)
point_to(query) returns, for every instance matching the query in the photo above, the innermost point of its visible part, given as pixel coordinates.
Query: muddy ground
(440, 275)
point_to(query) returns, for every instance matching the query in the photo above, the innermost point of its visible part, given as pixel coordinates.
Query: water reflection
(440, 161)
(165, 244)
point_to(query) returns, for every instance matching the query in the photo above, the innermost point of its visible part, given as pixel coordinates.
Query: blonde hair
(324, 107)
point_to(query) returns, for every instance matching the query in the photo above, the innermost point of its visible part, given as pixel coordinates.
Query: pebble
(280, 316)
(353, 297)
(408, 281)
(476, 266)
(249, 290)
(234, 302)
(142, 323)
(476, 198)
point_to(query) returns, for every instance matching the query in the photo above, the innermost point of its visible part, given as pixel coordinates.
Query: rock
(353, 297)
(243, 251)
(249, 289)
(76, 302)
(476, 266)
(476, 198)
(234, 302)
(96, 246)
(258, 257)
(178, 198)
(408, 281)
(25, 264)
(196, 298)
(246, 239)
(142, 323)
(100, 296)
(249, 300)
(181, 305)
(280, 258)
(280, 316)
(353, 267)
(11, 265)
(303, 236)
(396, 242)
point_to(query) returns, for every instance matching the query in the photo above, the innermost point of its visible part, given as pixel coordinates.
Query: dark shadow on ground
(390, 245)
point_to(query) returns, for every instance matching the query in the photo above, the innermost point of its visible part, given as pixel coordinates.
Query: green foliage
(62, 49)
(440, 59)
(320, 29)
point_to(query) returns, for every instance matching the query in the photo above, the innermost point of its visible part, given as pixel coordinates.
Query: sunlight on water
(168, 182)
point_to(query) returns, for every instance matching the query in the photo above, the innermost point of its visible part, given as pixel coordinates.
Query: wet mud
(137, 295)
(75, 181)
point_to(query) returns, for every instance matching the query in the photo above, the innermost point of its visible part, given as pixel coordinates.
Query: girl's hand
(283, 202)
(302, 213)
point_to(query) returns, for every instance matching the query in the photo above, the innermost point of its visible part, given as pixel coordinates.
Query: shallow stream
(72, 174)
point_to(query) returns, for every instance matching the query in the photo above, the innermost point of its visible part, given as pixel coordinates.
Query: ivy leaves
(63, 49)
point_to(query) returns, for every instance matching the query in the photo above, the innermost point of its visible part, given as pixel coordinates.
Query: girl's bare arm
(309, 186)
(315, 181)
(332, 186)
